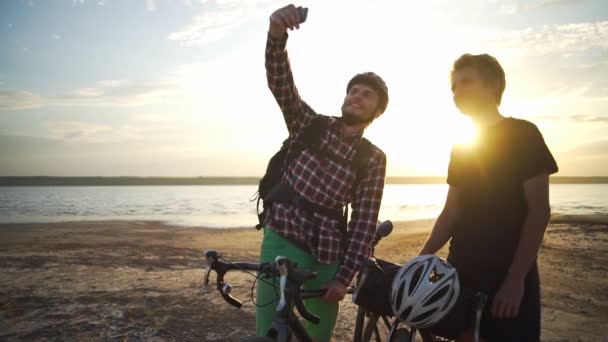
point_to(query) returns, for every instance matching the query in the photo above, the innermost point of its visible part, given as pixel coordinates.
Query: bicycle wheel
(359, 324)
(414, 335)
(376, 328)
(428, 337)
(256, 339)
(403, 335)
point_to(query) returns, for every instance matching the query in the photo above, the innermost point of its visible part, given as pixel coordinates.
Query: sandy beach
(141, 281)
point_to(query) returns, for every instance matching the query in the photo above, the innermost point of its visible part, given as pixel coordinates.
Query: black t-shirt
(489, 177)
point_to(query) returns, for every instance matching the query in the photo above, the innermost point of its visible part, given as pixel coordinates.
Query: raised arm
(296, 112)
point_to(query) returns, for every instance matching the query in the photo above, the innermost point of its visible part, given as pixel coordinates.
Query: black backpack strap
(360, 163)
(313, 133)
(310, 138)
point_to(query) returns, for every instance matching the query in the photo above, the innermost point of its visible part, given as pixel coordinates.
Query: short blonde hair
(488, 67)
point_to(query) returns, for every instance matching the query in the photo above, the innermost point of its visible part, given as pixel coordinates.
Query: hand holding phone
(288, 17)
(303, 12)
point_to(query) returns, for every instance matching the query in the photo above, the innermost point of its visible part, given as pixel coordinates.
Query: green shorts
(274, 245)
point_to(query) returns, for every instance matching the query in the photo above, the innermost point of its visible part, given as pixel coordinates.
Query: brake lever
(282, 266)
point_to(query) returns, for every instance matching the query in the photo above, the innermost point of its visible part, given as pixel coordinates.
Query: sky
(178, 88)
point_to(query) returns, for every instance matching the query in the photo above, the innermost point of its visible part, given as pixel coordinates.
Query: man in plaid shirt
(312, 239)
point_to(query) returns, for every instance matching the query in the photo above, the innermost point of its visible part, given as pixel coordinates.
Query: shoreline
(556, 218)
(245, 180)
(221, 180)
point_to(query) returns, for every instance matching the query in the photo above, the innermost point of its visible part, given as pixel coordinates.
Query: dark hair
(488, 67)
(375, 82)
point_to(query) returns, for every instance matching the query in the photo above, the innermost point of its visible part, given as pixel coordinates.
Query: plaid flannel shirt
(323, 180)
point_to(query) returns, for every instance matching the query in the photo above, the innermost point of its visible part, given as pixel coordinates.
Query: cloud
(594, 148)
(157, 155)
(218, 19)
(16, 100)
(72, 130)
(152, 117)
(55, 36)
(104, 93)
(587, 159)
(577, 118)
(151, 5)
(589, 118)
(553, 39)
(527, 6)
(116, 92)
(208, 28)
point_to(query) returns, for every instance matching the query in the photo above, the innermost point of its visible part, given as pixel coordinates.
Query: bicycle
(369, 325)
(285, 323)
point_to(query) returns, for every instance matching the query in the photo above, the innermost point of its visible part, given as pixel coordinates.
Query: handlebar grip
(384, 229)
(233, 301)
(225, 291)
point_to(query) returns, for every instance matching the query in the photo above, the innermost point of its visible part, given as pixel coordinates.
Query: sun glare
(465, 133)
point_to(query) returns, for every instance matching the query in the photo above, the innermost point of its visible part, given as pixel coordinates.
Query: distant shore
(144, 181)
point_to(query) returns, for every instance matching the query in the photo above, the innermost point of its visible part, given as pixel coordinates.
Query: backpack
(271, 189)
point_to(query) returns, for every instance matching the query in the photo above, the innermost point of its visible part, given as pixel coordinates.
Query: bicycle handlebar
(291, 279)
(221, 268)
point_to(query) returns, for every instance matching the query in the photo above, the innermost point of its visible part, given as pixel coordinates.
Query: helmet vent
(437, 295)
(415, 279)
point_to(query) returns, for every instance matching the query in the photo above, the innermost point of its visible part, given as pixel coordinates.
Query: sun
(464, 133)
(420, 145)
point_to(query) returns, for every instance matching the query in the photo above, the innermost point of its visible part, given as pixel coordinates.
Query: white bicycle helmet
(424, 290)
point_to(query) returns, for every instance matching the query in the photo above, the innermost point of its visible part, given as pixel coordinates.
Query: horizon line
(229, 180)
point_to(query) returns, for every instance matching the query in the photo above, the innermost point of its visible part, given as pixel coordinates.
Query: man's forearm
(439, 236)
(530, 241)
(281, 84)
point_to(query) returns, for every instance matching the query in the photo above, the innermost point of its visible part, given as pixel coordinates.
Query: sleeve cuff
(345, 276)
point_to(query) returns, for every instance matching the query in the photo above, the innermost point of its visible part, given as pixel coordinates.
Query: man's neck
(349, 131)
(487, 117)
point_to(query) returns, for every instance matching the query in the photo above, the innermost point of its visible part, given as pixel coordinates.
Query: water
(229, 206)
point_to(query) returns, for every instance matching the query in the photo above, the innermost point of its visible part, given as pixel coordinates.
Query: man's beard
(352, 120)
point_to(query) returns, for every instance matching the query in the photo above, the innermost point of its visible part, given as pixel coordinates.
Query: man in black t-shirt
(496, 211)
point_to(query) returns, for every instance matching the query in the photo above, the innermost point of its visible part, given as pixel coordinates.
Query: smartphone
(303, 12)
